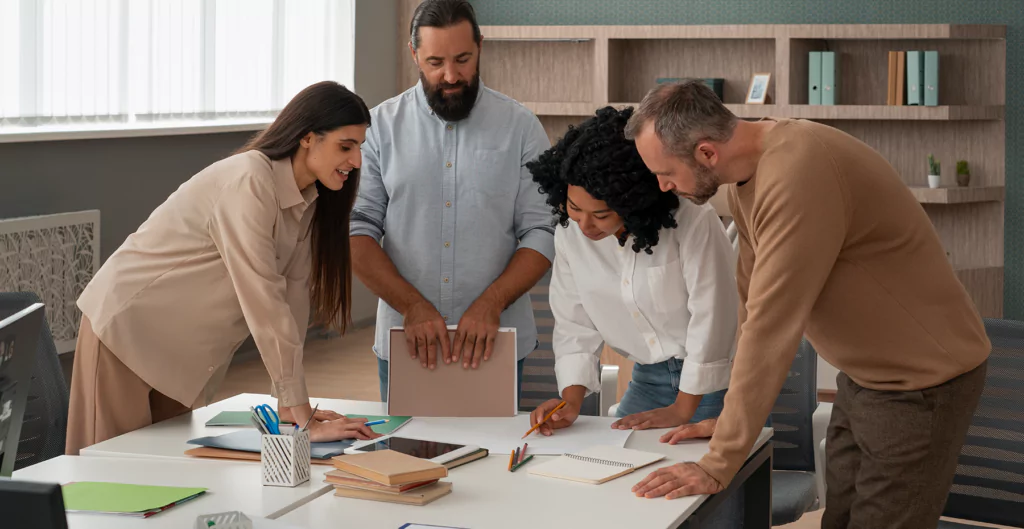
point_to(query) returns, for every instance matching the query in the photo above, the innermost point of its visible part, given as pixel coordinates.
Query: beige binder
(450, 390)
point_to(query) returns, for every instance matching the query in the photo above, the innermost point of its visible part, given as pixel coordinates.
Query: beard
(454, 107)
(706, 183)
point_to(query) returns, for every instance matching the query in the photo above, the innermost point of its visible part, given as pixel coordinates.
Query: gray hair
(684, 115)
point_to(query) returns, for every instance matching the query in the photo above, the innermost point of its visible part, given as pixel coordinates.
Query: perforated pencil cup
(285, 459)
(224, 520)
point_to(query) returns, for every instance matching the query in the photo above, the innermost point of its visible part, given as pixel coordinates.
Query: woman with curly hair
(640, 270)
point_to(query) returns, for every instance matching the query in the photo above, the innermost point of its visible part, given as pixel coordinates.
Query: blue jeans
(656, 386)
(382, 374)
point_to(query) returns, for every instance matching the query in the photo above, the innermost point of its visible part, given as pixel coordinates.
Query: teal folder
(829, 78)
(931, 78)
(814, 78)
(915, 78)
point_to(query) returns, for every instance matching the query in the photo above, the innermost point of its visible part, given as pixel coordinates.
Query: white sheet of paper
(502, 435)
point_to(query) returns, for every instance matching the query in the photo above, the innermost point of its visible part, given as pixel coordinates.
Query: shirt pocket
(494, 174)
(666, 287)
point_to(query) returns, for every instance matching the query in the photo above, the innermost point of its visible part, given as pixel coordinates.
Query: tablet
(439, 453)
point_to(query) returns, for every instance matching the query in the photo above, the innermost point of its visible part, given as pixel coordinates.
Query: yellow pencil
(550, 413)
(510, 456)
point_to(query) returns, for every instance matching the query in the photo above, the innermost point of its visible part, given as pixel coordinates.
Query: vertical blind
(67, 61)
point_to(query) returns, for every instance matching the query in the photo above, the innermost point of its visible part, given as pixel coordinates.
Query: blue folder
(249, 441)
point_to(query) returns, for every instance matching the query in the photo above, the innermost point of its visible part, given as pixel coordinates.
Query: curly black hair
(597, 157)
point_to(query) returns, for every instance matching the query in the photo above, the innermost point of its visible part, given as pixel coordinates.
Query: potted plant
(934, 172)
(963, 173)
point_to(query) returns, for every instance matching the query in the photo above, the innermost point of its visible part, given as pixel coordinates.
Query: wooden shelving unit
(564, 73)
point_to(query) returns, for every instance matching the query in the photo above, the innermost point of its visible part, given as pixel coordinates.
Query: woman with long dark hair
(248, 245)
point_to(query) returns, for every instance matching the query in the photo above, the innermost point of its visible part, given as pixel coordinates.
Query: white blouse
(679, 302)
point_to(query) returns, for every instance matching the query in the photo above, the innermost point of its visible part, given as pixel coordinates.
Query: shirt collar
(288, 193)
(421, 98)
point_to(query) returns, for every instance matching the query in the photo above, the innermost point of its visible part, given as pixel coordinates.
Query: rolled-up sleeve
(575, 339)
(242, 227)
(534, 223)
(707, 261)
(371, 204)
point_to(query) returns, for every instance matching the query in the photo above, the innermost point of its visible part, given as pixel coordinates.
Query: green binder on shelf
(829, 78)
(915, 77)
(931, 78)
(814, 78)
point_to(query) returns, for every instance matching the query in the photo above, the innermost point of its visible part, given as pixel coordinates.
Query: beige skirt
(107, 398)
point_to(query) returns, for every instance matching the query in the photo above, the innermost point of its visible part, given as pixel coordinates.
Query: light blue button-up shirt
(452, 202)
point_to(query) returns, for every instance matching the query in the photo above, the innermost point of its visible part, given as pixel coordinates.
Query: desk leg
(755, 477)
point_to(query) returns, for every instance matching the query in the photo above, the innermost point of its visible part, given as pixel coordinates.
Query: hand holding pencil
(553, 415)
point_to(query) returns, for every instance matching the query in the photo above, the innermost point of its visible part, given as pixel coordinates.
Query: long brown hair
(321, 108)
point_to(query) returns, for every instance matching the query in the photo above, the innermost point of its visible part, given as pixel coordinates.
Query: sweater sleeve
(797, 224)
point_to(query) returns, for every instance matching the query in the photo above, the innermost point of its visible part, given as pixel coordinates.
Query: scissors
(269, 418)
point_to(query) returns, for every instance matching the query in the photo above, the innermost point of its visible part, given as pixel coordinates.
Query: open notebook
(596, 465)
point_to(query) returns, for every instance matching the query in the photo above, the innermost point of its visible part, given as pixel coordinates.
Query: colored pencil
(550, 413)
(523, 462)
(510, 457)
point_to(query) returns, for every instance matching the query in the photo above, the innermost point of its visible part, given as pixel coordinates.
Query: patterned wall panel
(694, 12)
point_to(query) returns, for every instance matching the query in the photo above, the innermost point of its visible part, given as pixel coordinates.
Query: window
(67, 62)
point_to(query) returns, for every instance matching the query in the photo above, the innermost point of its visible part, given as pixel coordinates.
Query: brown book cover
(421, 496)
(352, 481)
(901, 78)
(890, 98)
(240, 455)
(389, 467)
(449, 390)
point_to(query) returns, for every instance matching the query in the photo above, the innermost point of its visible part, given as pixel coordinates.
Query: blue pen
(375, 423)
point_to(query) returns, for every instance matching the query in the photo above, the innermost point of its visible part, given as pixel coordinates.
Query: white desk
(169, 439)
(232, 486)
(485, 494)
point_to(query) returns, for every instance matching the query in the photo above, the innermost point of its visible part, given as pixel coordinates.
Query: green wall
(693, 12)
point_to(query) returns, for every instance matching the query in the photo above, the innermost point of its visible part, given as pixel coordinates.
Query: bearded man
(444, 177)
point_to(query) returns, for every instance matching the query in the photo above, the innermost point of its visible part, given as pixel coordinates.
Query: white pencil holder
(224, 520)
(285, 459)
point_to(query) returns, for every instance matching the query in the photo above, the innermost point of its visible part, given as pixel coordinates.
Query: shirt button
(651, 341)
(211, 369)
(446, 280)
(449, 164)
(625, 281)
(450, 127)
(447, 204)
(446, 318)
(636, 314)
(447, 244)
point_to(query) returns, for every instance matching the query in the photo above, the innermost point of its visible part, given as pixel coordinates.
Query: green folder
(236, 418)
(123, 498)
(393, 424)
(814, 78)
(931, 78)
(915, 78)
(829, 78)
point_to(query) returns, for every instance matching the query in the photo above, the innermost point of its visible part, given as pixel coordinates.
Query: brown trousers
(891, 455)
(107, 398)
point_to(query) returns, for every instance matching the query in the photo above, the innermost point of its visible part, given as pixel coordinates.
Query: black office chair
(794, 489)
(44, 428)
(989, 483)
(539, 382)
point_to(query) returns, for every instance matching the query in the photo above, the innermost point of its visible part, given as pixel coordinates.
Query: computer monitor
(19, 335)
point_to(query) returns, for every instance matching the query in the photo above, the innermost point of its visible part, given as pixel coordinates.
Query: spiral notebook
(596, 465)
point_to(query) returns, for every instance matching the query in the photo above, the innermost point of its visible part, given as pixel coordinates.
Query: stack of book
(388, 476)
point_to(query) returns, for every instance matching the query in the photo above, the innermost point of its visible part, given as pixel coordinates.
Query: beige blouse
(226, 254)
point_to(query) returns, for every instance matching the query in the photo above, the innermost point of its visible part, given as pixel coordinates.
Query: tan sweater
(835, 247)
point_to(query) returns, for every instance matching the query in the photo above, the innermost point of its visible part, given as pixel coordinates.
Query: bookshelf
(564, 73)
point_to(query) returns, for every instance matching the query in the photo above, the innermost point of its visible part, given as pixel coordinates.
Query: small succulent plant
(934, 167)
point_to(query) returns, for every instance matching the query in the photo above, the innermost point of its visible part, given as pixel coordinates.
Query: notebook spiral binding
(599, 461)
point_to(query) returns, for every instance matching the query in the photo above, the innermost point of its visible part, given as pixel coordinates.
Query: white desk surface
(232, 486)
(485, 494)
(169, 439)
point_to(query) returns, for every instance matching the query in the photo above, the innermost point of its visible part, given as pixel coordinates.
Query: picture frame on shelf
(757, 91)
